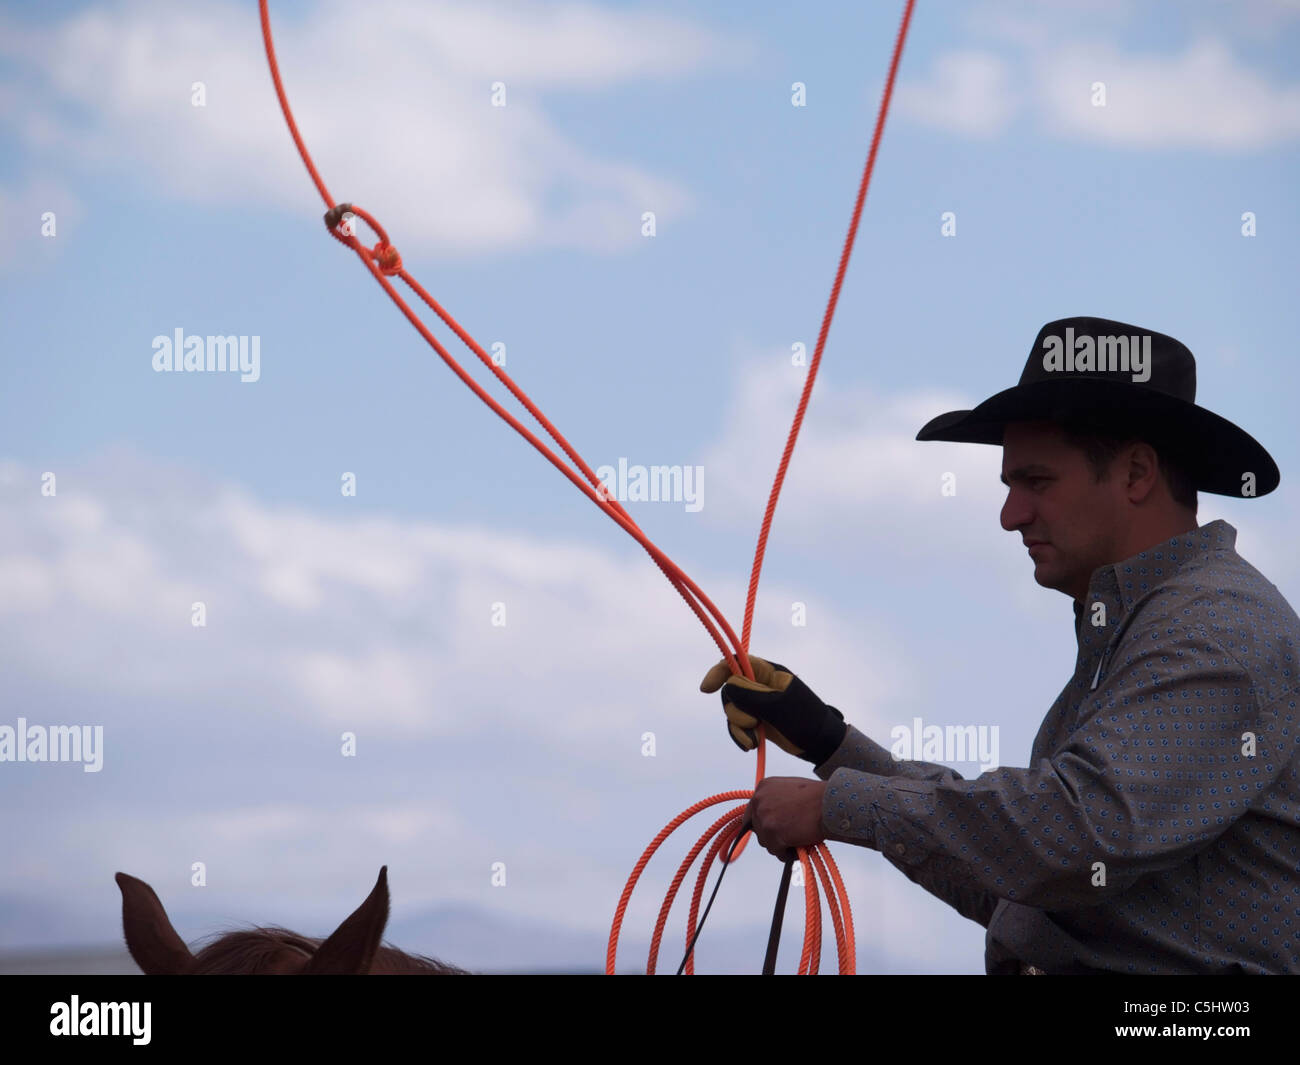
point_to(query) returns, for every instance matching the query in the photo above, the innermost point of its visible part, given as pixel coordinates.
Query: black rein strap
(778, 915)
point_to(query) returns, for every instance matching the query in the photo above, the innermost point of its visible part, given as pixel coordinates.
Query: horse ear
(150, 937)
(351, 949)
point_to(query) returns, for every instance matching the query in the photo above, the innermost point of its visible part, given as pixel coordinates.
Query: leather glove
(797, 721)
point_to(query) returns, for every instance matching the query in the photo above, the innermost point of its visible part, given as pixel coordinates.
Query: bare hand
(786, 812)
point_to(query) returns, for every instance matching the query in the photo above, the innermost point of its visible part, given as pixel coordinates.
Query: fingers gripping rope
(384, 261)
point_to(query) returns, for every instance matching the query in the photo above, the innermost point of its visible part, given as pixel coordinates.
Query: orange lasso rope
(383, 261)
(828, 872)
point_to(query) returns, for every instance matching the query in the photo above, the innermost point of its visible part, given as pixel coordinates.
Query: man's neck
(1150, 534)
(1142, 538)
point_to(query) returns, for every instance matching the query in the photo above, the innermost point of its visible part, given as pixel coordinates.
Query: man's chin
(1048, 578)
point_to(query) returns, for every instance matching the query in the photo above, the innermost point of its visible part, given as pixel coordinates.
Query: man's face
(1071, 524)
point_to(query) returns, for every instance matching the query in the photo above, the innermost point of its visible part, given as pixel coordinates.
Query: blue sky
(522, 744)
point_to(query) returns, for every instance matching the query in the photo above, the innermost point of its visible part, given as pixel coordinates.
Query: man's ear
(149, 934)
(1141, 466)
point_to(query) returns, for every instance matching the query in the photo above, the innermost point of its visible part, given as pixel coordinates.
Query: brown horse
(351, 949)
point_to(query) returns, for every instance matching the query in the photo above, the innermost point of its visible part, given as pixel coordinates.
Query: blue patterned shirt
(1157, 828)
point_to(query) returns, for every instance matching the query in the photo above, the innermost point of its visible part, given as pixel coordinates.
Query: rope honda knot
(334, 216)
(383, 254)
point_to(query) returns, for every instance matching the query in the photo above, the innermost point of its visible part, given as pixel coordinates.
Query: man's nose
(1016, 511)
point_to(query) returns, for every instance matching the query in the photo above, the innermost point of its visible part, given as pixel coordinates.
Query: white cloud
(968, 92)
(1203, 98)
(857, 465)
(337, 620)
(394, 105)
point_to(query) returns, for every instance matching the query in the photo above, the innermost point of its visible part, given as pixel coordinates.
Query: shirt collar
(1134, 577)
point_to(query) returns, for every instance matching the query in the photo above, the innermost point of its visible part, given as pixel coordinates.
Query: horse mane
(275, 950)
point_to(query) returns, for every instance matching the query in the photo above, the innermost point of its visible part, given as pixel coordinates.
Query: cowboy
(1157, 828)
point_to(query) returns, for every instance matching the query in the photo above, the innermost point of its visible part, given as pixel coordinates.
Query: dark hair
(1101, 441)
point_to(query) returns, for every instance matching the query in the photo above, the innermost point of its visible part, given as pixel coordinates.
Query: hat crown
(1104, 349)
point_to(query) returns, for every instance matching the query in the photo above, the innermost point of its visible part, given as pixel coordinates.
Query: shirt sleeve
(1167, 755)
(861, 754)
(859, 751)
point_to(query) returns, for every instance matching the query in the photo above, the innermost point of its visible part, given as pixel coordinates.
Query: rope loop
(385, 257)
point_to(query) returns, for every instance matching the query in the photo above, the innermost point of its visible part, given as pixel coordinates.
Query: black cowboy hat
(1127, 379)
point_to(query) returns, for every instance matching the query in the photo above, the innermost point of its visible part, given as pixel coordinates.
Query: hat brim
(1216, 453)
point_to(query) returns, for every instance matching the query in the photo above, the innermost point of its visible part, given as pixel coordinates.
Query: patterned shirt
(1157, 829)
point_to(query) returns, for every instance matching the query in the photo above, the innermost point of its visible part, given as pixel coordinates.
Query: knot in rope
(385, 255)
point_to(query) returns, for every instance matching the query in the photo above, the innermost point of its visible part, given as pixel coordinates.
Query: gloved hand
(797, 721)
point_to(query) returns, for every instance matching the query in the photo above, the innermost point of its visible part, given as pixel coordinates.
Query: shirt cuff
(848, 811)
(859, 751)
